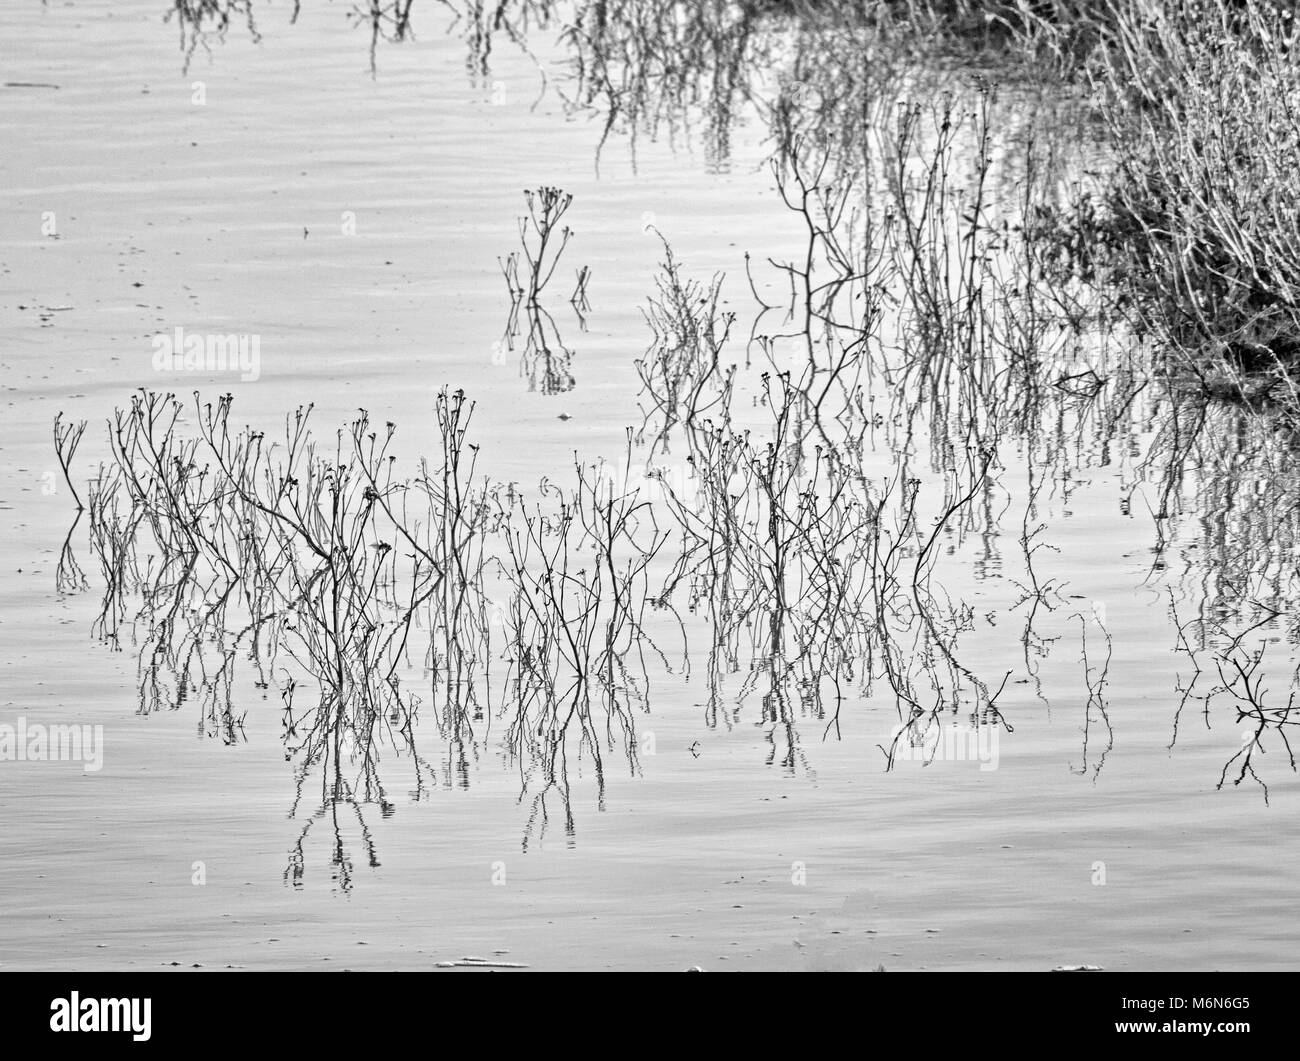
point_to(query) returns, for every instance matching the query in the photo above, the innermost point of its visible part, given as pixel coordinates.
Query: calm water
(356, 223)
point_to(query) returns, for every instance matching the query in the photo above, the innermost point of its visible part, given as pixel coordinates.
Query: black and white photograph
(581, 486)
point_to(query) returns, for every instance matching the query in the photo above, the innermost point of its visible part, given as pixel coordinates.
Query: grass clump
(1196, 231)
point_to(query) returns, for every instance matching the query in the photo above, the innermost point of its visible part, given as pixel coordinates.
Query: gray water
(355, 221)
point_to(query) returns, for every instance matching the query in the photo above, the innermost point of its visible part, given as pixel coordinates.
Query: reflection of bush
(310, 565)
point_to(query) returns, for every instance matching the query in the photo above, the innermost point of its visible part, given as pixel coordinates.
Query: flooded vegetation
(1025, 267)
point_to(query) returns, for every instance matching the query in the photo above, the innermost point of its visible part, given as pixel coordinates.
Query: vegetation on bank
(1191, 227)
(1194, 230)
